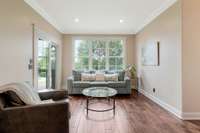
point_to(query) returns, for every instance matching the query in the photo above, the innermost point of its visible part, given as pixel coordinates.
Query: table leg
(87, 103)
(108, 99)
(114, 106)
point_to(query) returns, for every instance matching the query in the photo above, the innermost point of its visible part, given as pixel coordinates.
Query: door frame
(39, 34)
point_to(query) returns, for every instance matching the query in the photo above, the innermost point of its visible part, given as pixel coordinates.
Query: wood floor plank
(134, 114)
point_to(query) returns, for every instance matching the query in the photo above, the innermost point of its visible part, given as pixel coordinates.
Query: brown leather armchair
(45, 118)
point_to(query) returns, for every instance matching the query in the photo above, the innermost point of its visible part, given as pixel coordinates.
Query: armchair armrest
(43, 118)
(53, 94)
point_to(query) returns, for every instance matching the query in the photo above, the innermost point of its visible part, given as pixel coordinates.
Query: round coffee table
(100, 93)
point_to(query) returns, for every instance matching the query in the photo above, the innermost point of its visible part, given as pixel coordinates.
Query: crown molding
(155, 14)
(43, 13)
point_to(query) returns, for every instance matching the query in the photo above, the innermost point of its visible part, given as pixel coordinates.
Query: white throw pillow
(111, 77)
(100, 77)
(88, 77)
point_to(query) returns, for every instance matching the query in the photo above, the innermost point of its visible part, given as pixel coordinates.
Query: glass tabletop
(100, 92)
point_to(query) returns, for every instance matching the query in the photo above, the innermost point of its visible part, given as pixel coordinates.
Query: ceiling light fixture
(121, 21)
(76, 20)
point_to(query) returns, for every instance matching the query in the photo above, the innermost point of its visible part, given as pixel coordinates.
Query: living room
(99, 66)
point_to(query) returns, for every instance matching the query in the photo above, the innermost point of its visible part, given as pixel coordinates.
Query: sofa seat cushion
(119, 84)
(98, 84)
(81, 84)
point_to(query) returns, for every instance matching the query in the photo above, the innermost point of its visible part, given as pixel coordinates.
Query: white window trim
(124, 39)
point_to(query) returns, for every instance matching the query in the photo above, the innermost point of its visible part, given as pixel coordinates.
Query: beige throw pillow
(100, 77)
(111, 77)
(88, 77)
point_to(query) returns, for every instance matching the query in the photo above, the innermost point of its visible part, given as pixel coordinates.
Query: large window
(99, 54)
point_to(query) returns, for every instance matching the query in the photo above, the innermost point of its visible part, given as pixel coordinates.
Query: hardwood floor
(134, 114)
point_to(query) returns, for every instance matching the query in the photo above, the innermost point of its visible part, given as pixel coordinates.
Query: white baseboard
(166, 106)
(191, 116)
(171, 109)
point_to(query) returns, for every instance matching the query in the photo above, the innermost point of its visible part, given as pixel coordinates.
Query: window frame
(111, 38)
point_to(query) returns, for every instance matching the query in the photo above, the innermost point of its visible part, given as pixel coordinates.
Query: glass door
(42, 64)
(46, 64)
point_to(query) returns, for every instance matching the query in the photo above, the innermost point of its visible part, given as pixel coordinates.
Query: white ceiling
(100, 16)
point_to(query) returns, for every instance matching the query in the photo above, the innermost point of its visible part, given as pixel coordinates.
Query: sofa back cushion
(99, 75)
(77, 75)
(121, 75)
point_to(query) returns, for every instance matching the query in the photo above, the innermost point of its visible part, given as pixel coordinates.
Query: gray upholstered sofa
(75, 85)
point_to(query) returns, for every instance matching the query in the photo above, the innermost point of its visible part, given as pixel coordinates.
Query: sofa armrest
(126, 78)
(53, 94)
(70, 78)
(43, 118)
(128, 82)
(70, 81)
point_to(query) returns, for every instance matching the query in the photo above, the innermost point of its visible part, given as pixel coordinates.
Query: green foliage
(98, 51)
(42, 74)
(43, 62)
(133, 71)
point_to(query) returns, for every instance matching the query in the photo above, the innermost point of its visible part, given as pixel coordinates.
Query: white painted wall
(166, 78)
(16, 40)
(191, 55)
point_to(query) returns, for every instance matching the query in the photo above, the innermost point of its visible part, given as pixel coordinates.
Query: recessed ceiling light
(121, 21)
(76, 20)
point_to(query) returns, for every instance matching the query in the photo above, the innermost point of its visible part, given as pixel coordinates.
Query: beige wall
(68, 52)
(16, 19)
(166, 78)
(191, 55)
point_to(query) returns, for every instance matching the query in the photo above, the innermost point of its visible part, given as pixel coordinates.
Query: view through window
(99, 54)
